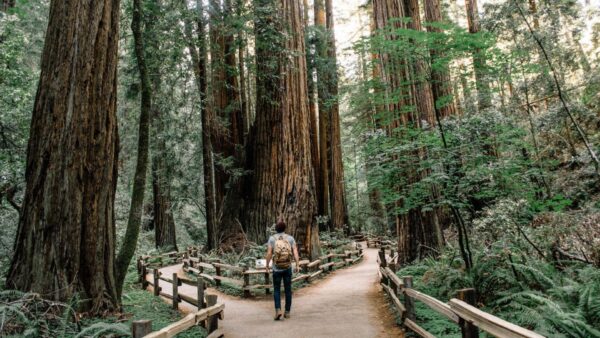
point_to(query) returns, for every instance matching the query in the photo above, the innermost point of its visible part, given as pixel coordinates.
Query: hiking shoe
(278, 315)
(286, 315)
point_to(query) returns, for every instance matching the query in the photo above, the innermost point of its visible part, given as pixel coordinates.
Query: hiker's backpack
(283, 252)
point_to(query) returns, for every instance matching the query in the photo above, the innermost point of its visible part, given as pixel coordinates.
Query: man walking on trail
(282, 248)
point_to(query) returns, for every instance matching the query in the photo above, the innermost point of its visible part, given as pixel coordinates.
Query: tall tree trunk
(423, 94)
(163, 222)
(442, 88)
(479, 61)
(228, 124)
(139, 181)
(337, 191)
(312, 105)
(228, 140)
(441, 84)
(198, 53)
(218, 100)
(65, 242)
(418, 232)
(378, 215)
(241, 44)
(281, 184)
(426, 227)
(320, 64)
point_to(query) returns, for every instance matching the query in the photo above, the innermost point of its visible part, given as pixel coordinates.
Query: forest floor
(346, 303)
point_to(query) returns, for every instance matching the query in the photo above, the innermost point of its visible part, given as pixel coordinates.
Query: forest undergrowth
(539, 270)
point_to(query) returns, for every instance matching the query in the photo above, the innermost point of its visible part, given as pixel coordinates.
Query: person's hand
(297, 269)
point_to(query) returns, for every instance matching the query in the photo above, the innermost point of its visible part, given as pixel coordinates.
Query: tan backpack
(283, 252)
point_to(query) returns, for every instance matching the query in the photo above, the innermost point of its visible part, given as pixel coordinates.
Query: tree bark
(163, 221)
(228, 124)
(228, 140)
(337, 191)
(139, 181)
(241, 44)
(423, 95)
(198, 52)
(282, 183)
(312, 105)
(321, 68)
(441, 83)
(479, 60)
(418, 232)
(65, 242)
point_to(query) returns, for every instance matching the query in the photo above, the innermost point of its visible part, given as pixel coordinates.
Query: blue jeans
(286, 275)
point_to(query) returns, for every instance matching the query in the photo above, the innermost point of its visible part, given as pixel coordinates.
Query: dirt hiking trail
(346, 303)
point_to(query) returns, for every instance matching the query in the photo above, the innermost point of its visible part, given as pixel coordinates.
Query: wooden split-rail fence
(246, 279)
(377, 242)
(251, 279)
(209, 310)
(460, 310)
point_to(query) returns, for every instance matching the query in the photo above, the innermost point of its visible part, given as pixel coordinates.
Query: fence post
(200, 295)
(329, 259)
(218, 273)
(175, 291)
(144, 273)
(140, 328)
(246, 283)
(212, 321)
(140, 262)
(468, 329)
(382, 261)
(409, 303)
(267, 282)
(156, 282)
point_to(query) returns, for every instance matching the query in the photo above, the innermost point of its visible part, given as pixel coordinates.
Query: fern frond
(102, 329)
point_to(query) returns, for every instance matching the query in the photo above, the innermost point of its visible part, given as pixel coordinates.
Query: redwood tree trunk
(441, 83)
(312, 105)
(417, 231)
(228, 139)
(66, 237)
(281, 184)
(228, 124)
(481, 82)
(339, 208)
(198, 53)
(164, 222)
(321, 67)
(139, 181)
(423, 95)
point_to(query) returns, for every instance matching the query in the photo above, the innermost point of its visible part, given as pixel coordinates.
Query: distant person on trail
(281, 248)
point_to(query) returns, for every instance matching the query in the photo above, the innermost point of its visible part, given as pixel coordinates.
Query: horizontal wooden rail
(417, 329)
(399, 306)
(228, 267)
(436, 305)
(490, 323)
(188, 321)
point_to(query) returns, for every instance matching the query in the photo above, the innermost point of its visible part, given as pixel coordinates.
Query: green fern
(103, 329)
